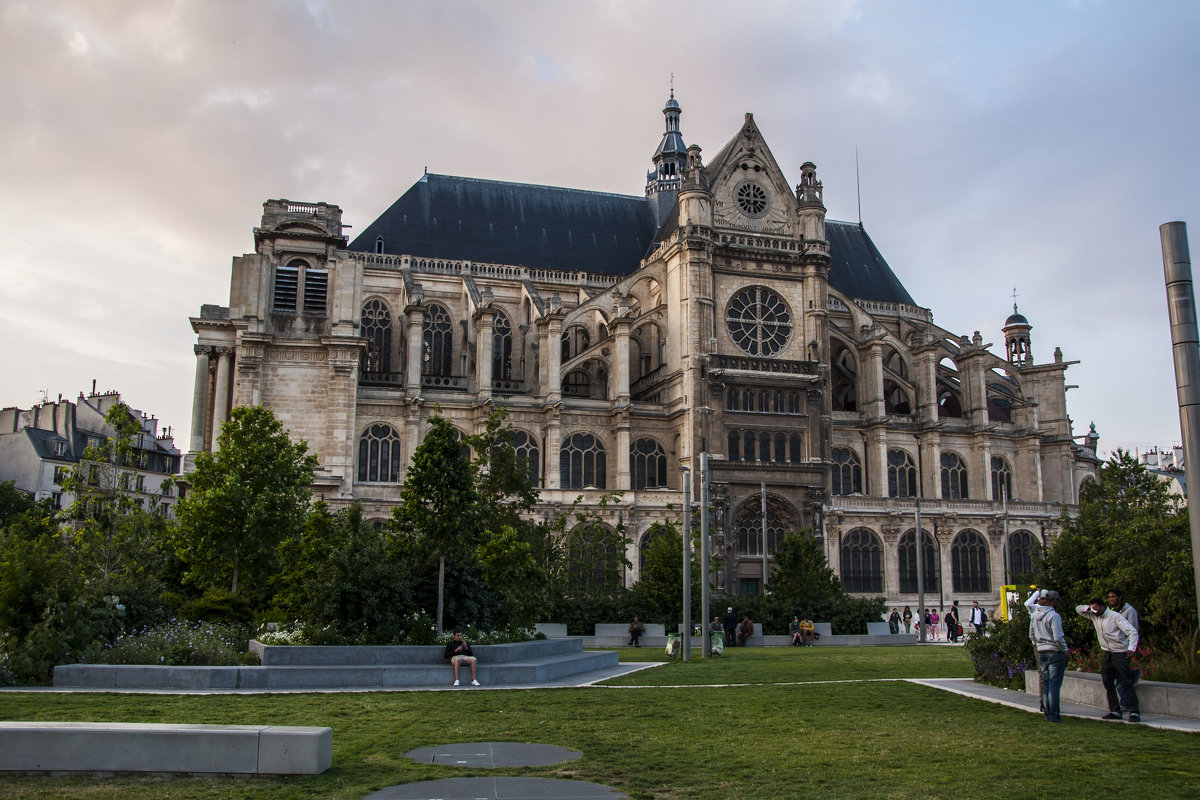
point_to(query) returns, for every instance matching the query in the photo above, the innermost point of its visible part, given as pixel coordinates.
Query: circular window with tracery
(751, 199)
(759, 321)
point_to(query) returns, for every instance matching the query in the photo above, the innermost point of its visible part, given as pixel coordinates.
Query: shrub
(1003, 653)
(179, 643)
(217, 605)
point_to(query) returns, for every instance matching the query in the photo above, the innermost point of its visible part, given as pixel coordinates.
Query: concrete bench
(1154, 697)
(551, 630)
(290, 667)
(878, 629)
(622, 629)
(145, 747)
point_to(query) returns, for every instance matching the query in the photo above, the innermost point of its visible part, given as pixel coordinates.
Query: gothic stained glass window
(969, 570)
(862, 562)
(438, 341)
(582, 463)
(379, 455)
(759, 321)
(377, 330)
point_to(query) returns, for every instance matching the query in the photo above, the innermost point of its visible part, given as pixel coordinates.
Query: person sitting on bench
(636, 629)
(459, 653)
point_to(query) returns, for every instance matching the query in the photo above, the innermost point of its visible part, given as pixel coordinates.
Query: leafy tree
(440, 509)
(595, 561)
(245, 498)
(1131, 533)
(346, 576)
(49, 614)
(659, 590)
(514, 576)
(114, 532)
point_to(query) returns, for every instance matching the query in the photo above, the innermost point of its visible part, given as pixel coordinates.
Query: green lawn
(770, 739)
(796, 664)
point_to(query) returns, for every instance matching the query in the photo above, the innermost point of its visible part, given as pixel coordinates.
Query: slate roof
(857, 269)
(448, 217)
(519, 224)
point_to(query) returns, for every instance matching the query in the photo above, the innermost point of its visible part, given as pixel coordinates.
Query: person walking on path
(894, 621)
(907, 617)
(1119, 640)
(978, 617)
(934, 621)
(1046, 633)
(459, 653)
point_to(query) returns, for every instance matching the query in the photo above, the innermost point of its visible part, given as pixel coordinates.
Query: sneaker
(1135, 717)
(474, 682)
(456, 681)
(1111, 715)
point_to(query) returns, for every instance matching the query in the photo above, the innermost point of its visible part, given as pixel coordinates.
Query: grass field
(781, 731)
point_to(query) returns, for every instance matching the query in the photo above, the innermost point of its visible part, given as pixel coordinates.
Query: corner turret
(670, 161)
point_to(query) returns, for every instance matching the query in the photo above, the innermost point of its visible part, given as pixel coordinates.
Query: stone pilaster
(200, 399)
(221, 397)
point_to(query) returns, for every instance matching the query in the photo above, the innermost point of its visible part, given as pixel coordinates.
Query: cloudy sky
(1035, 145)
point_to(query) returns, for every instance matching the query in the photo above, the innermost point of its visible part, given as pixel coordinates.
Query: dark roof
(857, 269)
(519, 224)
(443, 216)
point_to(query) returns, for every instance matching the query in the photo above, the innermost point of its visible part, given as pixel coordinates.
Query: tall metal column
(1185, 345)
(764, 537)
(920, 548)
(685, 631)
(704, 588)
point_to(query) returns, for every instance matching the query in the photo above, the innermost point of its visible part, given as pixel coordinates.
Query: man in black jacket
(459, 653)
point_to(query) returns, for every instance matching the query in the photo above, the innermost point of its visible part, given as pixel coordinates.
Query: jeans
(1114, 671)
(1052, 666)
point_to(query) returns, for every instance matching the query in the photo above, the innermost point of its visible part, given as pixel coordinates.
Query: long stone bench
(154, 747)
(1154, 697)
(614, 635)
(291, 667)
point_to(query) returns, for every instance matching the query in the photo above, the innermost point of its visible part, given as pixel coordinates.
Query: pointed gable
(749, 189)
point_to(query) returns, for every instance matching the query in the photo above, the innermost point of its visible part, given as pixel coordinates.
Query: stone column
(485, 319)
(620, 363)
(200, 398)
(221, 399)
(414, 315)
(877, 447)
(621, 457)
(929, 448)
(871, 382)
(553, 450)
(551, 357)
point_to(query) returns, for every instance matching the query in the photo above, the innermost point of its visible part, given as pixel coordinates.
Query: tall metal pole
(704, 610)
(1004, 548)
(920, 550)
(685, 631)
(1185, 345)
(764, 536)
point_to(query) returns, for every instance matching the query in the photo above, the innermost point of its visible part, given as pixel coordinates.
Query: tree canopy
(244, 499)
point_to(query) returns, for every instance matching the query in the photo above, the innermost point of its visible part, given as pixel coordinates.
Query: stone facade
(744, 325)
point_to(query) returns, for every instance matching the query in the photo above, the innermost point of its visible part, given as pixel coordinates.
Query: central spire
(670, 159)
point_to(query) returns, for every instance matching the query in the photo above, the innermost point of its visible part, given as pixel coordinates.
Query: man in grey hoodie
(1046, 633)
(1119, 641)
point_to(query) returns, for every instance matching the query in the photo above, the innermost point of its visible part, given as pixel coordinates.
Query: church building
(718, 313)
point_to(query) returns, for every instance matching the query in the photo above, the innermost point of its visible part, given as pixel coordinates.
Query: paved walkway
(1028, 702)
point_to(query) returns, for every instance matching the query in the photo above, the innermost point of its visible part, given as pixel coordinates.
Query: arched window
(895, 398)
(780, 448)
(649, 536)
(379, 455)
(748, 442)
(438, 341)
(502, 342)
(902, 474)
(1022, 550)
(954, 477)
(847, 472)
(594, 563)
(528, 455)
(907, 552)
(969, 570)
(735, 441)
(794, 444)
(748, 526)
(377, 330)
(844, 375)
(862, 562)
(1001, 479)
(577, 384)
(582, 463)
(647, 465)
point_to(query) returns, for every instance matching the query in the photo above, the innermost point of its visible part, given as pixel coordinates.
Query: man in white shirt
(978, 617)
(1046, 633)
(1119, 640)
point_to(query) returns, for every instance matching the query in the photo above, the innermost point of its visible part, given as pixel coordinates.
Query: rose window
(759, 321)
(751, 199)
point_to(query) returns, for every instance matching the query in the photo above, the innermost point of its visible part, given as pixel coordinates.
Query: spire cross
(1014, 297)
